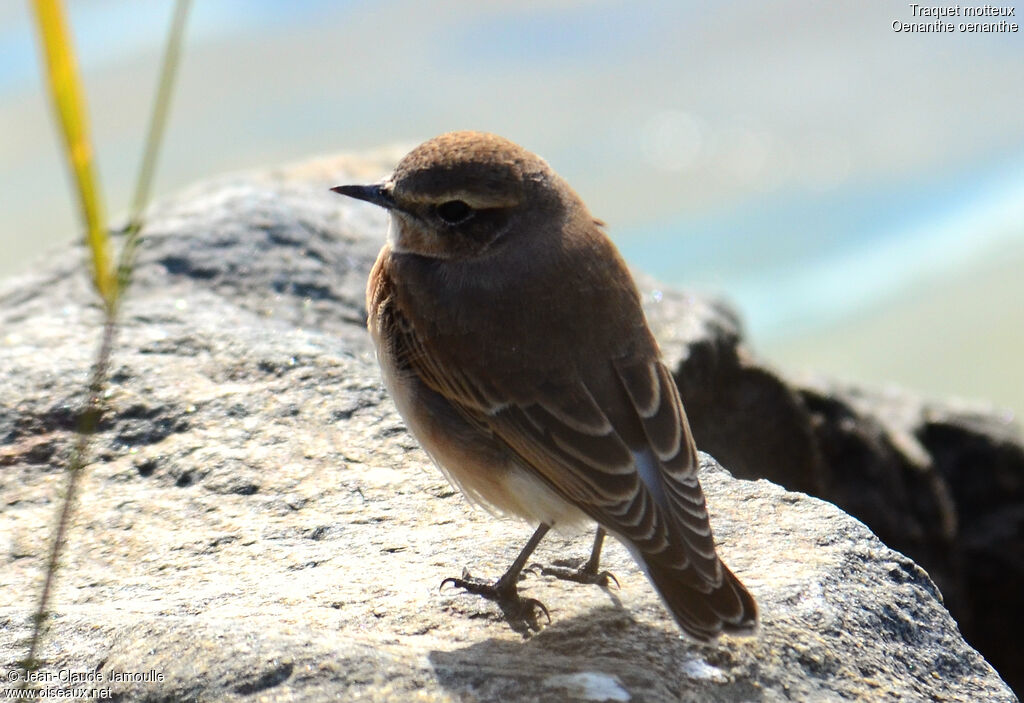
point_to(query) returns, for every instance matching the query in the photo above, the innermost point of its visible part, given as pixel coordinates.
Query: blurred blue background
(858, 193)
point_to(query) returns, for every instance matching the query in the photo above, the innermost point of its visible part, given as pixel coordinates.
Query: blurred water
(798, 157)
(793, 262)
(108, 31)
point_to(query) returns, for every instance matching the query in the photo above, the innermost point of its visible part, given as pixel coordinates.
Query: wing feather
(566, 437)
(612, 440)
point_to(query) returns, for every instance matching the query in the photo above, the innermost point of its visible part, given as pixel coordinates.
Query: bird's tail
(705, 614)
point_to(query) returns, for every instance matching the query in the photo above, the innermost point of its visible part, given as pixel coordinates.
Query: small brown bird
(510, 334)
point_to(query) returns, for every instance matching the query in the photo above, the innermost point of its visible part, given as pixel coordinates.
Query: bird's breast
(481, 467)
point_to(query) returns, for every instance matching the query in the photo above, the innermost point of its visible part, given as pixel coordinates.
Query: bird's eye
(454, 212)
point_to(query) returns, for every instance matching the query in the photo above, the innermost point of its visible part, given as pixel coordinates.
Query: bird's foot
(504, 593)
(571, 570)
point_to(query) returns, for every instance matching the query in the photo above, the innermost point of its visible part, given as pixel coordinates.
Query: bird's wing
(647, 494)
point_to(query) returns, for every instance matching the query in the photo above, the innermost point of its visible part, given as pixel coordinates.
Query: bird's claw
(505, 595)
(583, 574)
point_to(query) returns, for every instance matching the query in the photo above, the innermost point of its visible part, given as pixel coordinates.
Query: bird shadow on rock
(603, 651)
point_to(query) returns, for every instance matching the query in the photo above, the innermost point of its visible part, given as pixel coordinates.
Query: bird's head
(462, 194)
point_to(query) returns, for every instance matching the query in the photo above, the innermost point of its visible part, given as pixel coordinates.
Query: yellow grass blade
(65, 88)
(70, 106)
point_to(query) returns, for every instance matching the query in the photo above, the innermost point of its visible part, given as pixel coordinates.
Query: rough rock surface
(942, 482)
(258, 525)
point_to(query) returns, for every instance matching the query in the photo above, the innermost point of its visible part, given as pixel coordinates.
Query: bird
(511, 337)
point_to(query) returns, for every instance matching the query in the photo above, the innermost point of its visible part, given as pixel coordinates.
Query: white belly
(482, 468)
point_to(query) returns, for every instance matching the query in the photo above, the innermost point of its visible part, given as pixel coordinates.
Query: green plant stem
(91, 415)
(88, 422)
(154, 138)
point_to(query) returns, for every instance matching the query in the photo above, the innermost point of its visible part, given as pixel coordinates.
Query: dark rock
(262, 527)
(940, 482)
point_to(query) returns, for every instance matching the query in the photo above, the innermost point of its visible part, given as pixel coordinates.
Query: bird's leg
(504, 591)
(588, 573)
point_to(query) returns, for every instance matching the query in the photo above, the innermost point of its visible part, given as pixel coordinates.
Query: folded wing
(637, 479)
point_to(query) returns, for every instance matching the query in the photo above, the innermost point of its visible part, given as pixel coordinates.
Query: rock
(257, 523)
(940, 482)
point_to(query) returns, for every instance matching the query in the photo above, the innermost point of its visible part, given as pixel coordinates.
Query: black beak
(376, 194)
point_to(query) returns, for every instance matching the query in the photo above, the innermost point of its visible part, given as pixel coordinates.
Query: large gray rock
(258, 525)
